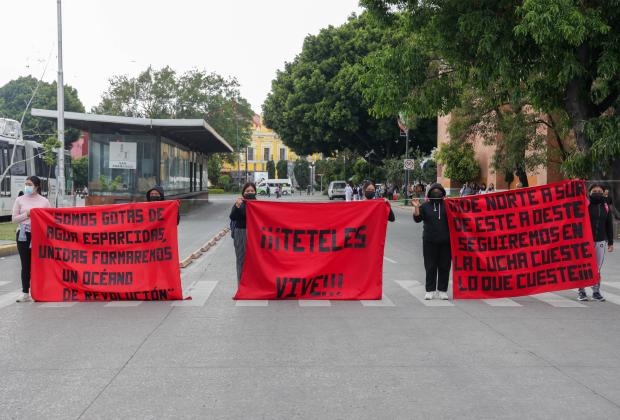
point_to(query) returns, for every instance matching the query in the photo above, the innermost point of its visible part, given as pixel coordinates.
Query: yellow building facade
(265, 145)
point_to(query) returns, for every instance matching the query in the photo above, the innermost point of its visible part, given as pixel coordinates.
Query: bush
(216, 191)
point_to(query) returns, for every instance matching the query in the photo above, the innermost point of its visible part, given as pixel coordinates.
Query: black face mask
(435, 195)
(249, 196)
(597, 198)
(369, 195)
(156, 198)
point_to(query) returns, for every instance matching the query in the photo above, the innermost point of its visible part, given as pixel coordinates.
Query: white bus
(29, 161)
(285, 185)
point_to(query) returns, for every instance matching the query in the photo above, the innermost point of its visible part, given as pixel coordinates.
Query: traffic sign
(408, 164)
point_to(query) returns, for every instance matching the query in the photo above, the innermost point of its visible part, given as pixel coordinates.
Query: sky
(246, 39)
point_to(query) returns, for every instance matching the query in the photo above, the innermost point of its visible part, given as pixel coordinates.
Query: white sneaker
(24, 298)
(429, 295)
(443, 295)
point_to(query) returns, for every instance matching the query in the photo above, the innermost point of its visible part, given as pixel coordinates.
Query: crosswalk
(409, 293)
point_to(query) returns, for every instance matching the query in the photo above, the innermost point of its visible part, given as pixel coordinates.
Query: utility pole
(406, 189)
(60, 191)
(238, 151)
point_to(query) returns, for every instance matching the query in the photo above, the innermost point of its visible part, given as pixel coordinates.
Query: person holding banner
(157, 194)
(601, 220)
(435, 241)
(31, 199)
(370, 192)
(238, 219)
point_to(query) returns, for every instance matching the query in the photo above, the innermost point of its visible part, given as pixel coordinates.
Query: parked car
(336, 189)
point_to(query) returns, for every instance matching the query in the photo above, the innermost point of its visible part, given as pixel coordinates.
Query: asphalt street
(545, 356)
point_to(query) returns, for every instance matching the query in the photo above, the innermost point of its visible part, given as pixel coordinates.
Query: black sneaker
(582, 297)
(598, 297)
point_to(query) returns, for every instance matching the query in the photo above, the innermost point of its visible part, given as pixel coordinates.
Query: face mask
(435, 195)
(597, 198)
(156, 198)
(369, 195)
(249, 196)
(28, 189)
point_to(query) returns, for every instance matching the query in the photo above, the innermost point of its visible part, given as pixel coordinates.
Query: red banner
(314, 251)
(521, 242)
(106, 253)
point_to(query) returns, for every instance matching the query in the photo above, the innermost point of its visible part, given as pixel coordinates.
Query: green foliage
(458, 159)
(111, 185)
(282, 169)
(271, 169)
(80, 171)
(302, 173)
(225, 182)
(429, 172)
(214, 168)
(216, 191)
(194, 94)
(50, 150)
(15, 95)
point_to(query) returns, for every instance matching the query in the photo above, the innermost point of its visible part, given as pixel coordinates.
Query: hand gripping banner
(314, 251)
(106, 253)
(521, 242)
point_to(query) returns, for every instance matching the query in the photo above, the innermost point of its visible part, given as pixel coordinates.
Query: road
(402, 357)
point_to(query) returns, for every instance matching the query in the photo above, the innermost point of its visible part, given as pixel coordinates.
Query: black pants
(437, 263)
(24, 255)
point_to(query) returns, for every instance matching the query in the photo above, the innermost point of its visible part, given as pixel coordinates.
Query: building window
(282, 153)
(250, 153)
(266, 154)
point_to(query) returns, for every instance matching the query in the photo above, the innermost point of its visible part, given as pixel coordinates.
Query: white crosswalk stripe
(57, 304)
(200, 292)
(9, 298)
(558, 301)
(390, 260)
(385, 301)
(314, 302)
(252, 303)
(123, 304)
(4, 283)
(418, 291)
(611, 297)
(501, 302)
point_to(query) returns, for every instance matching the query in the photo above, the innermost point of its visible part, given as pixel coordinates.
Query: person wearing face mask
(601, 220)
(31, 199)
(370, 193)
(238, 224)
(435, 241)
(157, 194)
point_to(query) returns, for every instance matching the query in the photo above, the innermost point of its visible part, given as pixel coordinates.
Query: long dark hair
(248, 185)
(36, 182)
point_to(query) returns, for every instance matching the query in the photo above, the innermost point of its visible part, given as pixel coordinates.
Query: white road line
(501, 302)
(614, 284)
(390, 260)
(123, 304)
(610, 297)
(416, 290)
(9, 298)
(385, 301)
(252, 303)
(558, 301)
(314, 302)
(200, 292)
(4, 283)
(57, 304)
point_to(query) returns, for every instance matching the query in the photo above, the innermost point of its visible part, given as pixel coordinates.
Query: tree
(271, 169)
(302, 173)
(50, 150)
(560, 55)
(458, 159)
(15, 95)
(282, 169)
(214, 168)
(80, 171)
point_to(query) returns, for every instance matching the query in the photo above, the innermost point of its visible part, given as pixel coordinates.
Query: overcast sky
(248, 39)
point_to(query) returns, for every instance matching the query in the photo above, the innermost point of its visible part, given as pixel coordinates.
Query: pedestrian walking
(601, 220)
(32, 199)
(356, 194)
(348, 192)
(370, 193)
(268, 191)
(238, 225)
(435, 241)
(278, 191)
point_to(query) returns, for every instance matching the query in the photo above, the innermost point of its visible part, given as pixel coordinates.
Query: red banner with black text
(314, 251)
(521, 242)
(106, 253)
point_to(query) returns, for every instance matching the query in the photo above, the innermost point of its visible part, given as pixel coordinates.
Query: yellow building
(265, 145)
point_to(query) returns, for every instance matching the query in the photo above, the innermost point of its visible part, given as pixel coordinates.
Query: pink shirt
(28, 202)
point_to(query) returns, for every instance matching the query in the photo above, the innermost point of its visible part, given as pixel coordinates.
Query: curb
(203, 249)
(8, 250)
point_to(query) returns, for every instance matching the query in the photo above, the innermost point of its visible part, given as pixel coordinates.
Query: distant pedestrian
(370, 193)
(491, 188)
(268, 191)
(348, 192)
(32, 199)
(157, 194)
(278, 191)
(608, 198)
(238, 228)
(601, 221)
(435, 241)
(482, 189)
(356, 194)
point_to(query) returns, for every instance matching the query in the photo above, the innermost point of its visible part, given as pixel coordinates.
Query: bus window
(20, 167)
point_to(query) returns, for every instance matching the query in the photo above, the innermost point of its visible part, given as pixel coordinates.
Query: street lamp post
(60, 93)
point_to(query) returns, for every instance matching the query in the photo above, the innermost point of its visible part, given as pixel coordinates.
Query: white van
(285, 185)
(336, 189)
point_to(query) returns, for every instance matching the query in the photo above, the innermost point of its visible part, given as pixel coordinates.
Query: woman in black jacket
(238, 232)
(436, 241)
(370, 192)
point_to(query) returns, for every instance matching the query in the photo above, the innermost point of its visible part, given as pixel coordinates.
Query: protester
(32, 199)
(278, 191)
(238, 231)
(157, 194)
(466, 190)
(482, 189)
(348, 192)
(435, 241)
(601, 220)
(356, 194)
(491, 188)
(370, 193)
(608, 198)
